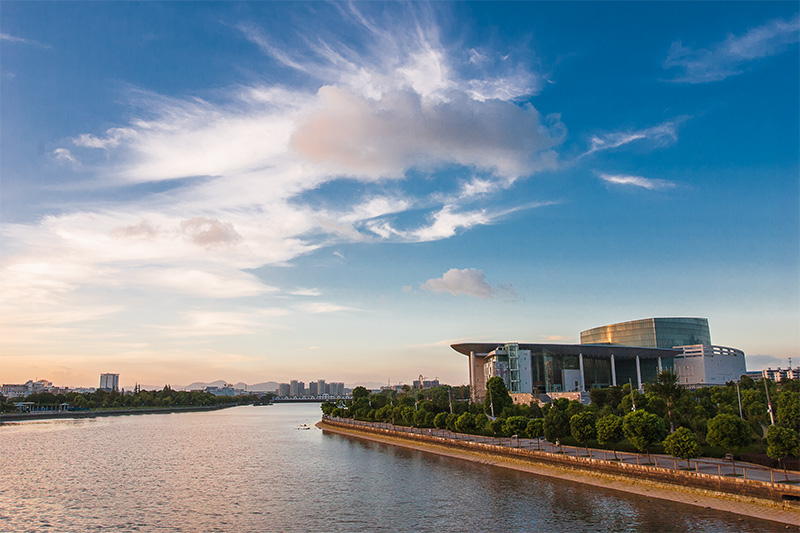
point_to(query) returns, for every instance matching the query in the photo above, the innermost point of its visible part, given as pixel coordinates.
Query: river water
(250, 469)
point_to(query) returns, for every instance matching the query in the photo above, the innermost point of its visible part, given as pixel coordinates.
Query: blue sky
(274, 191)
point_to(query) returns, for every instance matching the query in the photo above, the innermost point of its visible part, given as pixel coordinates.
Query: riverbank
(45, 415)
(591, 472)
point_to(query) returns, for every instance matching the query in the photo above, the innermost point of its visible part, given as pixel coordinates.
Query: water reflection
(249, 469)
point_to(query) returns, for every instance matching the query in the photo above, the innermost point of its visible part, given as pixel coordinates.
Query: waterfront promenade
(766, 493)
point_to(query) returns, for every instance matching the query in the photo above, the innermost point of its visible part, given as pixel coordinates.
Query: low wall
(778, 494)
(44, 415)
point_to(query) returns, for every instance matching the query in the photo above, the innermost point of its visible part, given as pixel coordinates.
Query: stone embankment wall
(40, 415)
(779, 494)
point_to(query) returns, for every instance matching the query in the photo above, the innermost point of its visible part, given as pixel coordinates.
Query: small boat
(303, 426)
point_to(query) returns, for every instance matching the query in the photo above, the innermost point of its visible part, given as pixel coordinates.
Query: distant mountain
(265, 386)
(371, 385)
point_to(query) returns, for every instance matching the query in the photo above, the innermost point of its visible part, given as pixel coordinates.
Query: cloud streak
(637, 181)
(731, 56)
(660, 135)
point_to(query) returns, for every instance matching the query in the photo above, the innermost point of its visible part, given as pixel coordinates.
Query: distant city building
(12, 390)
(321, 387)
(425, 384)
(312, 389)
(226, 390)
(609, 355)
(293, 388)
(283, 389)
(109, 382)
(780, 374)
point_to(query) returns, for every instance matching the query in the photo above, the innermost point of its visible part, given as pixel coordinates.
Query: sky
(257, 191)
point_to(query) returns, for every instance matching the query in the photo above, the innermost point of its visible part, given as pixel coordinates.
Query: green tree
(609, 431)
(781, 443)
(556, 425)
(729, 432)
(789, 409)
(515, 425)
(643, 429)
(360, 392)
(535, 430)
(496, 427)
(440, 420)
(682, 444)
(582, 427)
(497, 397)
(466, 423)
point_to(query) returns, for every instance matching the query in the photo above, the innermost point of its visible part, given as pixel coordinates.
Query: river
(250, 469)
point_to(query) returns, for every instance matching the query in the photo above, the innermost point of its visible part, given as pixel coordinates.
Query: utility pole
(491, 403)
(450, 397)
(739, 395)
(633, 400)
(769, 404)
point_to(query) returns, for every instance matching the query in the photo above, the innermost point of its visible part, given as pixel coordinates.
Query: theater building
(615, 354)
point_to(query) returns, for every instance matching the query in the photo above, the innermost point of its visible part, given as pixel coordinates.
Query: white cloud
(19, 40)
(729, 57)
(467, 281)
(64, 155)
(660, 135)
(637, 181)
(323, 308)
(251, 159)
(112, 139)
(305, 292)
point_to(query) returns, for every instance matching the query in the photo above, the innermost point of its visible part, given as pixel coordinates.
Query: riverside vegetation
(100, 399)
(668, 418)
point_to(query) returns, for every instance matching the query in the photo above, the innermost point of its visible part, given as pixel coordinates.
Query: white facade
(109, 382)
(702, 364)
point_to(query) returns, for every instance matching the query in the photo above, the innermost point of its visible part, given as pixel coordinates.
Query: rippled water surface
(249, 469)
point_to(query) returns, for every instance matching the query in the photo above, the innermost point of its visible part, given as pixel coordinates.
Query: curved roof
(589, 350)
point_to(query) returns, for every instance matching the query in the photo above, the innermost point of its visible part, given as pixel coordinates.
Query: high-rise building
(321, 387)
(312, 388)
(109, 382)
(283, 389)
(293, 388)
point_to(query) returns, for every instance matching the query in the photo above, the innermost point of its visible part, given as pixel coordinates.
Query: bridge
(310, 399)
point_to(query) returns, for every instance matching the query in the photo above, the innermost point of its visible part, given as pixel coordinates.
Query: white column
(583, 380)
(659, 366)
(638, 373)
(473, 392)
(613, 372)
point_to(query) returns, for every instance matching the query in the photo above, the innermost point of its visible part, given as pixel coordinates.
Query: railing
(707, 466)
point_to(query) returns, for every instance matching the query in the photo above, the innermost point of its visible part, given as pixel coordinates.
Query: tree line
(756, 417)
(101, 399)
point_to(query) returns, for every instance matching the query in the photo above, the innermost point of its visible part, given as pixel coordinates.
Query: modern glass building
(651, 333)
(615, 354)
(535, 369)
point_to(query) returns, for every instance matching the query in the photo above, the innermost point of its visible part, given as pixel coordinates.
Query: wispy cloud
(19, 40)
(637, 181)
(660, 135)
(65, 156)
(403, 106)
(467, 281)
(731, 56)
